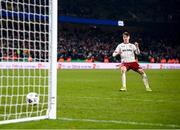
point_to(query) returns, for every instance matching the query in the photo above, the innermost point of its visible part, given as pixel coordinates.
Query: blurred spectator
(68, 59)
(106, 59)
(163, 60)
(61, 59)
(177, 61)
(152, 60)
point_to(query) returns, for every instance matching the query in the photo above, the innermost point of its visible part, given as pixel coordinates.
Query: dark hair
(126, 34)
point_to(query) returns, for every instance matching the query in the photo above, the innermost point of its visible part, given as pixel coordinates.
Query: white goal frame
(52, 95)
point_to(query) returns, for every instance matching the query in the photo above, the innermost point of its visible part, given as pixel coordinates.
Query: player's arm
(136, 49)
(117, 51)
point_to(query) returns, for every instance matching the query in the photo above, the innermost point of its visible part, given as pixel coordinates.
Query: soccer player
(127, 53)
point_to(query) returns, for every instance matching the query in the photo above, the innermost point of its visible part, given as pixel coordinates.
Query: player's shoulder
(121, 44)
(130, 44)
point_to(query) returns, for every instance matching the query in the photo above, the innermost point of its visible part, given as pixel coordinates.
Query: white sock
(145, 80)
(123, 79)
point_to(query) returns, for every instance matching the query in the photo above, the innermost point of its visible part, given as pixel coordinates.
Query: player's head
(126, 37)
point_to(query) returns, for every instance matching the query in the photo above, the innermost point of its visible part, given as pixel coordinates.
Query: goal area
(28, 59)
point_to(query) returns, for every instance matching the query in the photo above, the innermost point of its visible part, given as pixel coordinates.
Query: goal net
(28, 34)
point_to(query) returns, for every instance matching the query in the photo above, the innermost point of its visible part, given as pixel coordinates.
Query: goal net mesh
(24, 57)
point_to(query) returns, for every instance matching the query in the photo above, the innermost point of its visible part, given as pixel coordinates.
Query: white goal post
(28, 35)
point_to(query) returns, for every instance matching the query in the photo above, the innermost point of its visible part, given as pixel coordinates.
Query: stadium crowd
(93, 44)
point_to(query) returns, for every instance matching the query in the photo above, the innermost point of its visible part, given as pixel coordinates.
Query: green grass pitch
(91, 99)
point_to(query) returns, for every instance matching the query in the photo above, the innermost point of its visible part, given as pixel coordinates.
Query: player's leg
(123, 78)
(144, 78)
(136, 67)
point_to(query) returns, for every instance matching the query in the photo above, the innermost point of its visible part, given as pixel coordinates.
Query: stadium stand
(154, 27)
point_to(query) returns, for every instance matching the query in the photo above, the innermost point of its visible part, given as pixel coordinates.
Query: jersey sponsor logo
(127, 50)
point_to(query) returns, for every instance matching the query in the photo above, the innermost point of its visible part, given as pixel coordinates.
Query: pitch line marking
(148, 100)
(120, 122)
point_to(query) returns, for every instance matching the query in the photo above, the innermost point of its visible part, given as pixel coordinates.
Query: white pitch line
(128, 99)
(121, 122)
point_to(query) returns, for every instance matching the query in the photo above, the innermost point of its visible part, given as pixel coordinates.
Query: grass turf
(92, 98)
